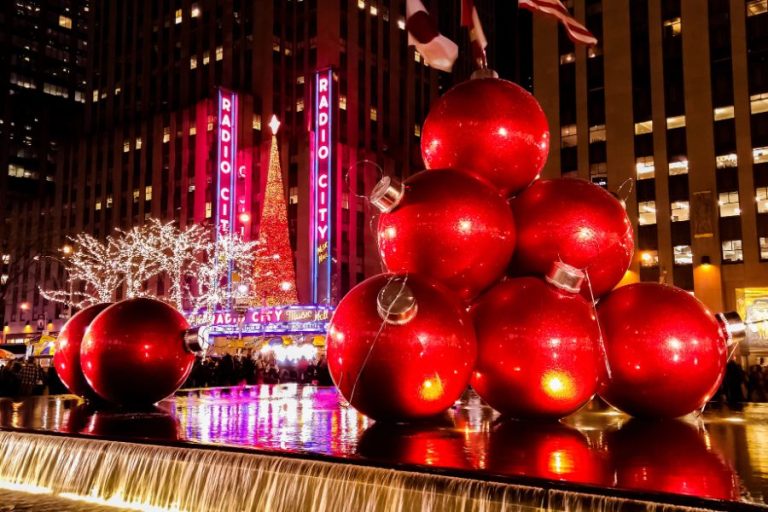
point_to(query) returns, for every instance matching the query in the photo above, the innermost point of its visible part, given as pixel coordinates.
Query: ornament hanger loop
(357, 164)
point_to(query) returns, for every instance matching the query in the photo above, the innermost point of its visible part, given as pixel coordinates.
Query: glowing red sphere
(416, 363)
(576, 222)
(666, 351)
(66, 358)
(670, 456)
(451, 227)
(134, 354)
(489, 127)
(538, 352)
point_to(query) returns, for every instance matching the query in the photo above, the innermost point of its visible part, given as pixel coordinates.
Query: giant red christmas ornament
(489, 127)
(400, 347)
(420, 444)
(445, 225)
(548, 450)
(576, 222)
(670, 457)
(538, 352)
(667, 352)
(134, 352)
(66, 359)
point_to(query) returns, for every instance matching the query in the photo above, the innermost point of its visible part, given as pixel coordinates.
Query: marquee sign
(269, 320)
(321, 177)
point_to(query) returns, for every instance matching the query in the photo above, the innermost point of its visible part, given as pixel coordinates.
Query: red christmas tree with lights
(275, 275)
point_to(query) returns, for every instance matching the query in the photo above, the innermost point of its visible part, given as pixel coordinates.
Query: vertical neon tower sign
(322, 187)
(226, 169)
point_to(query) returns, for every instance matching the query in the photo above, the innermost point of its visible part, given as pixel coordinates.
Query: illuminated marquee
(322, 187)
(269, 320)
(226, 168)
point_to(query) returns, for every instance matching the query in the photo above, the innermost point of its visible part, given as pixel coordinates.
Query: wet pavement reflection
(721, 454)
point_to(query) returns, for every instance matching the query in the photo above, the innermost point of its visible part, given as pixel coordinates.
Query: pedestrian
(29, 376)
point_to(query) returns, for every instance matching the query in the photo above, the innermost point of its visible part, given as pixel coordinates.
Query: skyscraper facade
(670, 111)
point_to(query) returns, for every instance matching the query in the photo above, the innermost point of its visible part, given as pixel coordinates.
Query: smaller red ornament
(666, 351)
(670, 456)
(66, 358)
(447, 226)
(538, 346)
(577, 222)
(489, 127)
(400, 347)
(134, 352)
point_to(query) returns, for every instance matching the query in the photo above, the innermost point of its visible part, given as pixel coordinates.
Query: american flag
(555, 9)
(438, 51)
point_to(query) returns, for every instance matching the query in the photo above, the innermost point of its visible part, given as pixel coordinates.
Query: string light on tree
(275, 275)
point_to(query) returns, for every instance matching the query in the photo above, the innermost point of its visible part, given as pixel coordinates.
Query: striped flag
(438, 51)
(471, 20)
(577, 32)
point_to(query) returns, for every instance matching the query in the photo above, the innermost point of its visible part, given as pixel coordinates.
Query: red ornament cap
(732, 326)
(395, 302)
(387, 194)
(565, 277)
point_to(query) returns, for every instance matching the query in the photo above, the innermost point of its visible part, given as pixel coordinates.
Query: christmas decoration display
(667, 352)
(538, 346)
(445, 225)
(672, 457)
(576, 222)
(276, 276)
(420, 444)
(134, 354)
(400, 347)
(548, 450)
(489, 127)
(66, 359)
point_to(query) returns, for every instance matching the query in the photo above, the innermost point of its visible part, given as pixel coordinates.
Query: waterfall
(170, 478)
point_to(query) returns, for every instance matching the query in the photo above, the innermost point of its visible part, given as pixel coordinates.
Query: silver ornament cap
(733, 327)
(395, 302)
(387, 194)
(196, 339)
(483, 73)
(565, 277)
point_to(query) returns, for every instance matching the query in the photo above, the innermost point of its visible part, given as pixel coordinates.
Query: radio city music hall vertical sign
(226, 167)
(321, 185)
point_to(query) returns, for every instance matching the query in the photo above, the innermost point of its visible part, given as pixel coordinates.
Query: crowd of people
(744, 386)
(28, 377)
(244, 370)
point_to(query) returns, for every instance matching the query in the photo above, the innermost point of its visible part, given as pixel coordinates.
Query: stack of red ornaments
(492, 278)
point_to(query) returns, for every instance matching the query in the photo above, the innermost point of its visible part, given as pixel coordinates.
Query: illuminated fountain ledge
(181, 478)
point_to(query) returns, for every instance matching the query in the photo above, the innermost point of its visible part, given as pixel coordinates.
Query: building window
(723, 113)
(760, 155)
(597, 133)
(683, 255)
(136, 195)
(645, 167)
(126, 146)
(568, 136)
(148, 193)
(206, 58)
(374, 11)
(417, 130)
(761, 196)
(300, 105)
(65, 22)
(675, 122)
(373, 114)
(647, 213)
(649, 258)
(644, 127)
(195, 11)
(729, 204)
(293, 195)
(138, 143)
(755, 7)
(678, 167)
(673, 27)
(680, 211)
(109, 201)
(727, 161)
(256, 123)
(166, 134)
(219, 52)
(732, 251)
(208, 210)
(343, 102)
(193, 62)
(758, 103)
(179, 16)
(763, 248)
(192, 130)
(401, 23)
(361, 4)
(567, 58)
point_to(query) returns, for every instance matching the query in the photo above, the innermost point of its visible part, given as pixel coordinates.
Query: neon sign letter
(321, 185)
